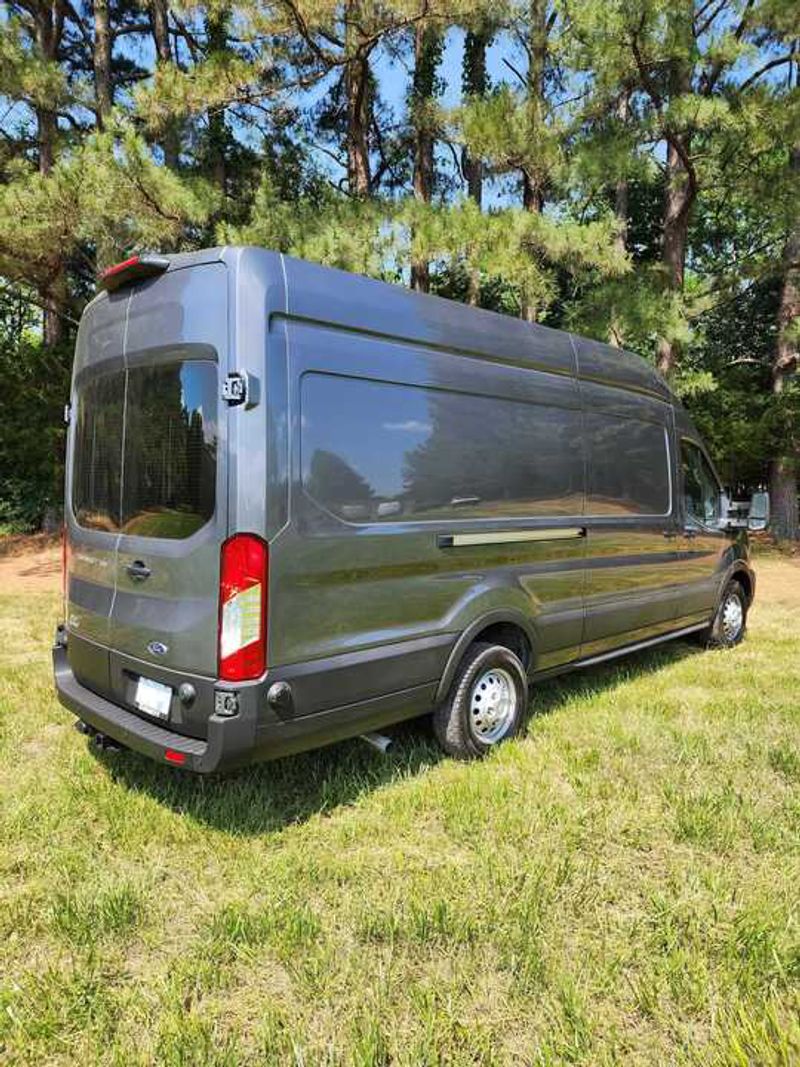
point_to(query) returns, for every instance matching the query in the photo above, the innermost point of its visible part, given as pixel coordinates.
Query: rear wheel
(730, 622)
(486, 703)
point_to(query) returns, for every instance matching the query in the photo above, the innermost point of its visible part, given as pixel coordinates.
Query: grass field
(620, 886)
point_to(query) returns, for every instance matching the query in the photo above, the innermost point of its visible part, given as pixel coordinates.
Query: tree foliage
(628, 169)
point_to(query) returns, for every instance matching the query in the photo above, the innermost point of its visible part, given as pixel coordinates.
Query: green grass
(622, 885)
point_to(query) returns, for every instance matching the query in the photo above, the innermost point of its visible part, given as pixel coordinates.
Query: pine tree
(783, 480)
(428, 44)
(685, 64)
(159, 21)
(31, 72)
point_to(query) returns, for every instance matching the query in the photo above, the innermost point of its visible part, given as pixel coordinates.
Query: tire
(461, 727)
(730, 621)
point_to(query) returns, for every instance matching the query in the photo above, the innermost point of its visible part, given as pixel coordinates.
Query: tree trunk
(217, 36)
(358, 90)
(532, 175)
(475, 83)
(532, 181)
(48, 37)
(783, 498)
(621, 186)
(678, 200)
(102, 61)
(621, 207)
(680, 189)
(427, 50)
(159, 19)
(783, 467)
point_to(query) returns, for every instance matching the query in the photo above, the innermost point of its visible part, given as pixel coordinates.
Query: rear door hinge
(240, 388)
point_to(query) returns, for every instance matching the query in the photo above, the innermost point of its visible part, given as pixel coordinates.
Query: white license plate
(153, 697)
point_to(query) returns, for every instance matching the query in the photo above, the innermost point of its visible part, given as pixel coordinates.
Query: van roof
(338, 299)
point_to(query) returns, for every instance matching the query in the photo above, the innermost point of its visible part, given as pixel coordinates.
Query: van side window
(701, 490)
(377, 452)
(627, 466)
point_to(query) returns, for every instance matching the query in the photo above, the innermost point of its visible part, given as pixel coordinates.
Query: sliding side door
(633, 570)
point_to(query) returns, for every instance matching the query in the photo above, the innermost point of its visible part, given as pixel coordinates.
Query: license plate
(153, 697)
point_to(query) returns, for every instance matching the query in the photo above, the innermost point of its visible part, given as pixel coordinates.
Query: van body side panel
(624, 371)
(382, 573)
(347, 302)
(257, 484)
(633, 572)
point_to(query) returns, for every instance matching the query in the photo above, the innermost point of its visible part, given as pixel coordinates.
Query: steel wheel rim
(492, 702)
(732, 617)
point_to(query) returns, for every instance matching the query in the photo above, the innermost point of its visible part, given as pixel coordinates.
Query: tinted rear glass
(379, 452)
(98, 444)
(170, 450)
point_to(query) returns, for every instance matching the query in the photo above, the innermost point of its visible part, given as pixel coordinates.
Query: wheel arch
(497, 625)
(745, 577)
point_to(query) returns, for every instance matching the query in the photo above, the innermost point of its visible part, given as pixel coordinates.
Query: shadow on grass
(270, 796)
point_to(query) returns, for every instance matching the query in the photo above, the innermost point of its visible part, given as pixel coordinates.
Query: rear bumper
(324, 710)
(231, 740)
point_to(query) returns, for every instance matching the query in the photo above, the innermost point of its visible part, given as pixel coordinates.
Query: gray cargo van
(303, 505)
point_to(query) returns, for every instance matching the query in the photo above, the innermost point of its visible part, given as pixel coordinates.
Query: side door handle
(670, 535)
(689, 534)
(138, 570)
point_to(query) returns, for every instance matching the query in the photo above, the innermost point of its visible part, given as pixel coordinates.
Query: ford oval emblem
(156, 648)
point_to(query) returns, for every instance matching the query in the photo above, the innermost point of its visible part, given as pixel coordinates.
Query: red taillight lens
(244, 574)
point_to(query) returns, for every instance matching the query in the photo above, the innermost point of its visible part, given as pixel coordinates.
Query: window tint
(374, 452)
(97, 447)
(170, 442)
(627, 466)
(700, 488)
(170, 449)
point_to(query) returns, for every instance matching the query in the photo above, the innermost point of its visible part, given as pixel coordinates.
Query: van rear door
(147, 485)
(93, 486)
(173, 512)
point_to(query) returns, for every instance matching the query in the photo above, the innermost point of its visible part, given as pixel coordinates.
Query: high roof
(351, 301)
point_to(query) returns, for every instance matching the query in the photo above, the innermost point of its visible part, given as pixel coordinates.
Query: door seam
(121, 463)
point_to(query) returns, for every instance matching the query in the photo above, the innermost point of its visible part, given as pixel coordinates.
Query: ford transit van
(303, 505)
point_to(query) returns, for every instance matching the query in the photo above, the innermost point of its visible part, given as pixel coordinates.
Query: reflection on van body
(302, 505)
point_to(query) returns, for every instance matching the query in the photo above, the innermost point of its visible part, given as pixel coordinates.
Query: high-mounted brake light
(132, 270)
(244, 573)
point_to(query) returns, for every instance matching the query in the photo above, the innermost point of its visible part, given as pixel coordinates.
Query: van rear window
(96, 467)
(153, 472)
(379, 452)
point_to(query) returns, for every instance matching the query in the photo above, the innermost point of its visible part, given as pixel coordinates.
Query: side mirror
(758, 516)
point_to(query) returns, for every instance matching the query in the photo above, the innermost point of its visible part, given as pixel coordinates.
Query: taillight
(243, 580)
